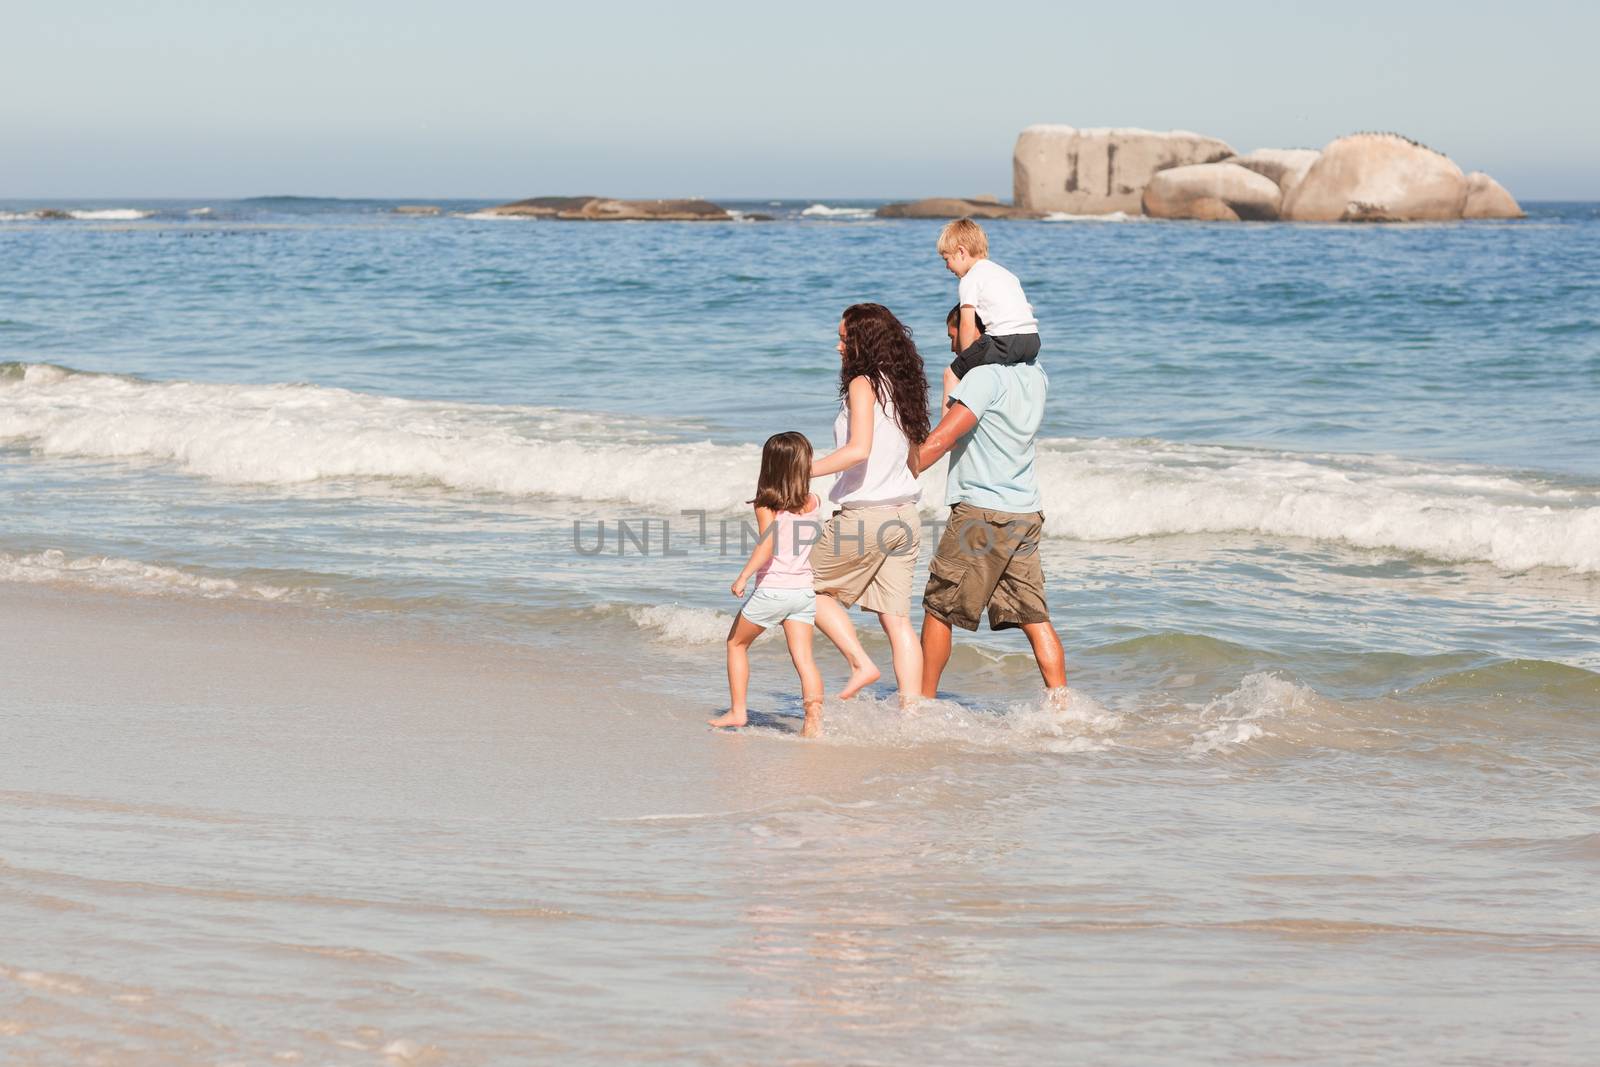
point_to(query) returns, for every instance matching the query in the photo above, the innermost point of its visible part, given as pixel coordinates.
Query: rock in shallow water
(1215, 191)
(604, 209)
(1099, 171)
(950, 207)
(1488, 199)
(1285, 166)
(1378, 177)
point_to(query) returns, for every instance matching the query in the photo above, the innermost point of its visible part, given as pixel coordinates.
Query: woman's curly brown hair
(878, 345)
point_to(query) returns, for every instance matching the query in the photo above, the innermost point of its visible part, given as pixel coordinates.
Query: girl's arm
(861, 401)
(759, 555)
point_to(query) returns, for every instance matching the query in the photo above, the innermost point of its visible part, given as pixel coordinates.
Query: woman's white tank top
(882, 479)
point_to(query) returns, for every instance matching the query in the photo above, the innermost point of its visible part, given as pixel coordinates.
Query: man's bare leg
(935, 651)
(834, 622)
(1052, 658)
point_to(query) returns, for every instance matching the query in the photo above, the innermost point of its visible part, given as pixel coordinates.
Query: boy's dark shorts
(987, 559)
(1004, 351)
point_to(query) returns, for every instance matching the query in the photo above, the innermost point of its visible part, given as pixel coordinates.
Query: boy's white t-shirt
(996, 295)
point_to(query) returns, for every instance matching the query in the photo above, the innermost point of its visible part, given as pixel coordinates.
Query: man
(988, 557)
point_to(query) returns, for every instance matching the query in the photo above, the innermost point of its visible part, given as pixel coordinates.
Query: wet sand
(264, 834)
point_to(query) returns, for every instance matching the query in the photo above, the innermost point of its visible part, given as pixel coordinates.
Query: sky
(501, 99)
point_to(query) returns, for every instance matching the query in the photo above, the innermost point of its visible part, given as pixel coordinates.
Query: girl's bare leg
(834, 622)
(907, 656)
(740, 636)
(798, 634)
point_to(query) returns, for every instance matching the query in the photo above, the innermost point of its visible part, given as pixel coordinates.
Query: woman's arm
(759, 555)
(861, 401)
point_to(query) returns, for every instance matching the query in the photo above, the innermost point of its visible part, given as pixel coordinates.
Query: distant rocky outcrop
(949, 207)
(1488, 199)
(1099, 171)
(1365, 177)
(603, 209)
(1220, 192)
(417, 209)
(1285, 166)
(1378, 177)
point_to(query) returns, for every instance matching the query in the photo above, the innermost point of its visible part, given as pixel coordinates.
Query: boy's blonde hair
(967, 234)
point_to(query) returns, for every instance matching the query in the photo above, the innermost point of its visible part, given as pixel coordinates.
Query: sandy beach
(267, 834)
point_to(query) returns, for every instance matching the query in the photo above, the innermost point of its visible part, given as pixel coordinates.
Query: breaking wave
(1095, 489)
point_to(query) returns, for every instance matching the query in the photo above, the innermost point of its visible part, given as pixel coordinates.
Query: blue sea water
(1314, 443)
(423, 780)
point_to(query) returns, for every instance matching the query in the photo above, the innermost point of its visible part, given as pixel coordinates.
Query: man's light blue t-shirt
(992, 467)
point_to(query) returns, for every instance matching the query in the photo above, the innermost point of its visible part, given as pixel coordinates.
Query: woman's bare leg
(798, 634)
(907, 656)
(834, 622)
(741, 635)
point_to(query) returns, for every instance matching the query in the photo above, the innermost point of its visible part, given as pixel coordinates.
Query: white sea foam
(1235, 718)
(55, 567)
(1095, 490)
(490, 216)
(114, 214)
(824, 211)
(200, 211)
(1119, 489)
(678, 625)
(1111, 216)
(1084, 725)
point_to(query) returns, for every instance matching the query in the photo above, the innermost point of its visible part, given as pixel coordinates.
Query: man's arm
(958, 421)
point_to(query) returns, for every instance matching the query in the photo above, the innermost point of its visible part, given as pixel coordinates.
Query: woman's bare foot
(812, 727)
(860, 678)
(732, 720)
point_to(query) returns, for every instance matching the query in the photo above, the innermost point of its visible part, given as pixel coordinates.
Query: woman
(868, 549)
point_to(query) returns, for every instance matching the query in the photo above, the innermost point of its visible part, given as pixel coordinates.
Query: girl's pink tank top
(790, 566)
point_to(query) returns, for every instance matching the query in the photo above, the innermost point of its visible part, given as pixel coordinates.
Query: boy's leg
(741, 635)
(834, 622)
(798, 635)
(935, 651)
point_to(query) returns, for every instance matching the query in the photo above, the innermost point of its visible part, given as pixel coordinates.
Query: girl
(787, 515)
(868, 549)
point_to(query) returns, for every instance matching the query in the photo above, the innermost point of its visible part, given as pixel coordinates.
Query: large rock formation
(1378, 177)
(949, 207)
(417, 209)
(1488, 199)
(1285, 166)
(1224, 192)
(1099, 171)
(601, 209)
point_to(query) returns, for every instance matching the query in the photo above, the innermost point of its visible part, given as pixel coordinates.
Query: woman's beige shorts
(866, 556)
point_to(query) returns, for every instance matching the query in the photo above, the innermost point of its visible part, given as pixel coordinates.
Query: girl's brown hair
(879, 346)
(785, 480)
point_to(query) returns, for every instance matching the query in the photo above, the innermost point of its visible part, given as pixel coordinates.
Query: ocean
(1322, 541)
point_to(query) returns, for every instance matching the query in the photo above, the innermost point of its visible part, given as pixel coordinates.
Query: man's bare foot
(812, 727)
(1058, 698)
(860, 678)
(732, 720)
